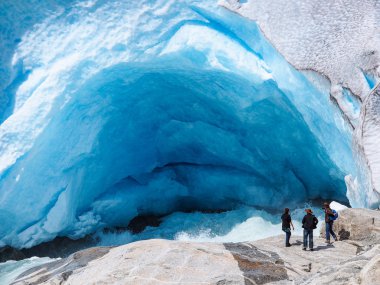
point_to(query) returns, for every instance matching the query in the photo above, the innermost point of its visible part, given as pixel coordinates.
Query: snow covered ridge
(338, 39)
(150, 108)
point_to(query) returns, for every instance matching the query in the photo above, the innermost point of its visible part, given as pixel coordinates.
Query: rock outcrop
(355, 260)
(359, 226)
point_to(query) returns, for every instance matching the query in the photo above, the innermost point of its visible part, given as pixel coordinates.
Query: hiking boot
(311, 249)
(304, 248)
(327, 241)
(288, 245)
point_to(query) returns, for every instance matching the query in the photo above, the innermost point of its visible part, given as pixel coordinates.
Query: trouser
(306, 234)
(287, 235)
(329, 230)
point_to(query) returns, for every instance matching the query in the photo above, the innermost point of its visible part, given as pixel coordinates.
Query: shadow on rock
(298, 242)
(322, 247)
(344, 235)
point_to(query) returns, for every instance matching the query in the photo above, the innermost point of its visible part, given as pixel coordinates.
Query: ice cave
(181, 109)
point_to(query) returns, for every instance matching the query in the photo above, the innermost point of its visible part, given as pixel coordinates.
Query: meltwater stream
(119, 109)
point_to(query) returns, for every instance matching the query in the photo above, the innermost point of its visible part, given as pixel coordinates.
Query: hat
(326, 204)
(309, 211)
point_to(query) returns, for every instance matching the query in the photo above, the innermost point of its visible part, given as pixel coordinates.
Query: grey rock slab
(60, 270)
(300, 263)
(174, 262)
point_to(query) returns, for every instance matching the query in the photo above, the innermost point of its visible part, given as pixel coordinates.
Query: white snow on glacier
(123, 109)
(338, 39)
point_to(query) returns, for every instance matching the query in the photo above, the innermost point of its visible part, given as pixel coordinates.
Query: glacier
(337, 48)
(338, 39)
(118, 109)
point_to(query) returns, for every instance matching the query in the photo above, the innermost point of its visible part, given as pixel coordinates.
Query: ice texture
(155, 107)
(338, 39)
(17, 17)
(368, 137)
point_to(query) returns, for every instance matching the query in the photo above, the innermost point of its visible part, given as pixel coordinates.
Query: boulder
(360, 225)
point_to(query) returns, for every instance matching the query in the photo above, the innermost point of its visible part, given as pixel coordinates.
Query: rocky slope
(355, 259)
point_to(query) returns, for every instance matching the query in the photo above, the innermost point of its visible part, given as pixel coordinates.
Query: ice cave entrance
(161, 139)
(216, 120)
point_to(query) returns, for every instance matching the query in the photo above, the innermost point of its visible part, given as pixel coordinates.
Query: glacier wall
(338, 43)
(124, 109)
(368, 137)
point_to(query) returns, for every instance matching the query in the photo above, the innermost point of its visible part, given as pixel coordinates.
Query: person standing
(286, 223)
(309, 223)
(329, 221)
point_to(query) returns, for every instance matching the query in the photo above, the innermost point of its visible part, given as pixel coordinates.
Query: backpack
(336, 215)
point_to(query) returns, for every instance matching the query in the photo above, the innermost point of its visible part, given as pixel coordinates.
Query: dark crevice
(139, 223)
(59, 247)
(345, 117)
(213, 166)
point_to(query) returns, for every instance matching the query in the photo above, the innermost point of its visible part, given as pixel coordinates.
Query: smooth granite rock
(265, 261)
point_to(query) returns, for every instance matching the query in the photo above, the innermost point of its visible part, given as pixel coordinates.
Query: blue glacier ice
(118, 109)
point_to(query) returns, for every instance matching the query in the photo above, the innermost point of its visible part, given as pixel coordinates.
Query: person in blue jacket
(329, 221)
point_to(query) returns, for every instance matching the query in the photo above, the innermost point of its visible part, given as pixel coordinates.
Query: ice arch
(152, 139)
(212, 117)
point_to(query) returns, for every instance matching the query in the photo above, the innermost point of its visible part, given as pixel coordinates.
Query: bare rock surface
(265, 261)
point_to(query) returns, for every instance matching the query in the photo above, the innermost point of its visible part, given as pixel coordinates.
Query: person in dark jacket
(329, 222)
(309, 223)
(286, 223)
